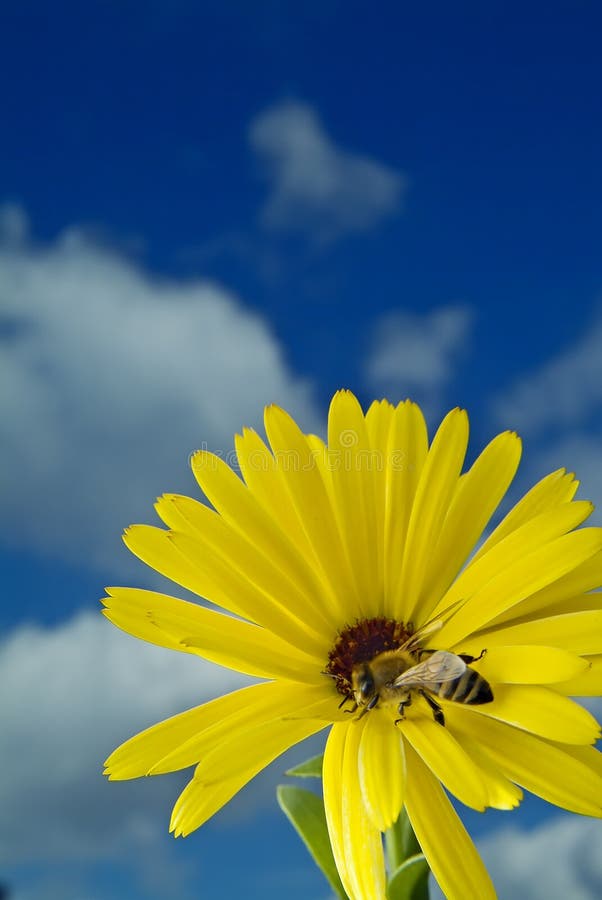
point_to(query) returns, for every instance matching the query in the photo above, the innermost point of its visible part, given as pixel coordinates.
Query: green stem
(400, 842)
(409, 840)
(394, 847)
(401, 845)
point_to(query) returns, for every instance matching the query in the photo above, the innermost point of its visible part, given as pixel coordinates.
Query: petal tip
(198, 458)
(131, 531)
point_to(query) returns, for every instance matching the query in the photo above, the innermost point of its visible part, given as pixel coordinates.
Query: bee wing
(432, 626)
(441, 666)
(421, 635)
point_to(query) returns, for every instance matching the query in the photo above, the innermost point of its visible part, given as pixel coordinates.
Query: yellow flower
(327, 556)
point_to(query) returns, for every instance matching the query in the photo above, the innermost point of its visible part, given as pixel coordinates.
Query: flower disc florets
(360, 643)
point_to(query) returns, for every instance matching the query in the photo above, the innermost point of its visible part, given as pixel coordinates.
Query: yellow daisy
(325, 557)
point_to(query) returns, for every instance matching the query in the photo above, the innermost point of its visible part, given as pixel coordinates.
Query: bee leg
(345, 700)
(351, 711)
(468, 659)
(401, 709)
(367, 708)
(437, 711)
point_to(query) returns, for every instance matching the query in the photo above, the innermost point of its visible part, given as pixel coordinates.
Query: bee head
(364, 687)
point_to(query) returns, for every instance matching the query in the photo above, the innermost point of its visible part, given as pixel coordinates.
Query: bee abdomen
(469, 688)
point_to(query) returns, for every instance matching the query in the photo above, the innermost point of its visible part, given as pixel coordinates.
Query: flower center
(360, 643)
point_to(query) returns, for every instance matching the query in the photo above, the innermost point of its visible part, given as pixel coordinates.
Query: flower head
(346, 573)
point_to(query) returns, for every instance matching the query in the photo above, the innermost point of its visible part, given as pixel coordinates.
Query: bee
(394, 675)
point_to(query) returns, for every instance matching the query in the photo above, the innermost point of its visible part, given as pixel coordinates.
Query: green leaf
(311, 768)
(410, 880)
(305, 811)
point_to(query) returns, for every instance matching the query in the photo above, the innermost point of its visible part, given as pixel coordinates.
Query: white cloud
(69, 695)
(111, 377)
(319, 188)
(415, 355)
(566, 391)
(560, 859)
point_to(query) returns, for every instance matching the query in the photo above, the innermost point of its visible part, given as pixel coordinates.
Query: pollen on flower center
(361, 642)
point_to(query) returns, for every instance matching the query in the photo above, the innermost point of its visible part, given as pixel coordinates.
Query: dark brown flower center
(360, 643)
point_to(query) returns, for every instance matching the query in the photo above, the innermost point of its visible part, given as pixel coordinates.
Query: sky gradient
(206, 207)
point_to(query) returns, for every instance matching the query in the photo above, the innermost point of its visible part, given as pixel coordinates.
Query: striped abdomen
(470, 688)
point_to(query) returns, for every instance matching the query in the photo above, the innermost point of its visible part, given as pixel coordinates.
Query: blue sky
(206, 207)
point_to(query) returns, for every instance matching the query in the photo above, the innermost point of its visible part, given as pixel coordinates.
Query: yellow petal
(539, 766)
(477, 496)
(532, 536)
(588, 683)
(447, 760)
(283, 700)
(153, 547)
(556, 488)
(517, 580)
(332, 781)
(562, 593)
(260, 472)
(450, 853)
(501, 792)
(171, 509)
(572, 604)
(379, 419)
(280, 575)
(529, 664)
(356, 843)
(578, 632)
(437, 484)
(325, 465)
(240, 509)
(378, 422)
(310, 498)
(267, 484)
(144, 751)
(541, 711)
(363, 844)
(180, 625)
(222, 761)
(200, 799)
(589, 756)
(381, 766)
(406, 453)
(182, 740)
(353, 484)
(201, 568)
(280, 606)
(185, 515)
